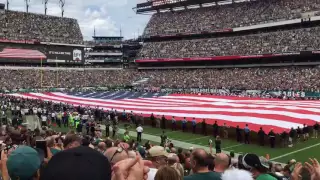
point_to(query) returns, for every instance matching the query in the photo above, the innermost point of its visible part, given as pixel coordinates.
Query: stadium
(208, 84)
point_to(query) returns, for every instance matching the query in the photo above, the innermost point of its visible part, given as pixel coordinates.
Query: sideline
(191, 140)
(293, 152)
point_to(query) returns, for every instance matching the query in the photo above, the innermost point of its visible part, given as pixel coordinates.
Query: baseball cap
(254, 161)
(23, 163)
(156, 151)
(81, 163)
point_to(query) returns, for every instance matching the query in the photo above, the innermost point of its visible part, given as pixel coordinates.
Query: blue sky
(106, 15)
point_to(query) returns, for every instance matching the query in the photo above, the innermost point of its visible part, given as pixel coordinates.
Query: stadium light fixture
(45, 2)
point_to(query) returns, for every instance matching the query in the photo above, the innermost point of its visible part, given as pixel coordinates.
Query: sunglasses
(118, 151)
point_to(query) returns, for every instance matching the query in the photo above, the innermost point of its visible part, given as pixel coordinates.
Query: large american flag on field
(274, 114)
(21, 53)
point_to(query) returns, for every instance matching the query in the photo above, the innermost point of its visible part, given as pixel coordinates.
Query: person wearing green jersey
(126, 137)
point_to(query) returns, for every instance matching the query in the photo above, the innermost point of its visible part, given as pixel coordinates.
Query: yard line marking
(191, 140)
(293, 152)
(165, 133)
(233, 146)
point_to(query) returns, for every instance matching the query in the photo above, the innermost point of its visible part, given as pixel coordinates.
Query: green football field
(301, 151)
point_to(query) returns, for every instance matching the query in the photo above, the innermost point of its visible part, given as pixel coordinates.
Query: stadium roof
(156, 5)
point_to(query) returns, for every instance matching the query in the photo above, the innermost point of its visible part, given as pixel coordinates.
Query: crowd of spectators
(29, 26)
(281, 78)
(81, 154)
(263, 43)
(217, 18)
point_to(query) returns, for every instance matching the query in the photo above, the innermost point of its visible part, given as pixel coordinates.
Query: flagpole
(41, 74)
(57, 81)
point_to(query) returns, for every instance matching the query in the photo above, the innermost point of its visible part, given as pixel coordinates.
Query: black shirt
(238, 131)
(305, 130)
(261, 133)
(218, 144)
(284, 135)
(292, 133)
(271, 134)
(299, 131)
(215, 127)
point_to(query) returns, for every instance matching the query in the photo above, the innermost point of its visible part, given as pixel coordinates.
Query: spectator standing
(53, 117)
(221, 162)
(184, 124)
(236, 174)
(76, 165)
(218, 144)
(173, 124)
(167, 173)
(108, 124)
(65, 118)
(116, 154)
(141, 119)
(299, 133)
(272, 138)
(305, 131)
(139, 132)
(261, 135)
(158, 122)
(258, 166)
(173, 161)
(153, 122)
(292, 134)
(204, 127)
(246, 134)
(44, 119)
(158, 156)
(200, 168)
(51, 145)
(215, 127)
(126, 136)
(23, 163)
(163, 122)
(59, 119)
(225, 131)
(163, 138)
(71, 141)
(194, 125)
(124, 115)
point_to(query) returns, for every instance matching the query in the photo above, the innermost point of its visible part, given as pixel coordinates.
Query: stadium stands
(263, 43)
(283, 78)
(219, 18)
(29, 26)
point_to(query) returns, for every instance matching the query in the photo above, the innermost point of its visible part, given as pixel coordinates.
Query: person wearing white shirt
(44, 120)
(34, 109)
(139, 133)
(158, 156)
(53, 116)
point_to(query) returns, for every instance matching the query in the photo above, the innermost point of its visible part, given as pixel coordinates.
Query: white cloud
(106, 15)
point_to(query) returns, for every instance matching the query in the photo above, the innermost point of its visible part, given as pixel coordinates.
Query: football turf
(301, 151)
